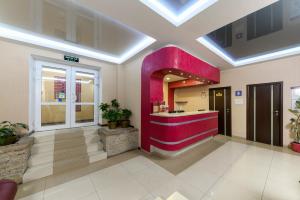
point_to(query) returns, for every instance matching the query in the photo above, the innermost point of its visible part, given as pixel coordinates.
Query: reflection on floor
(232, 171)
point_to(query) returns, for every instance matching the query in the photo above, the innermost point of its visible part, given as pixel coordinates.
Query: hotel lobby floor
(223, 168)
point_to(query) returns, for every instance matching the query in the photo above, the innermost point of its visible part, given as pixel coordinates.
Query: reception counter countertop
(165, 114)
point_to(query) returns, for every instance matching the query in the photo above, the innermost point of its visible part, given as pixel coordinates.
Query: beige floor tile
(73, 190)
(30, 188)
(282, 190)
(223, 168)
(177, 186)
(36, 196)
(127, 189)
(228, 190)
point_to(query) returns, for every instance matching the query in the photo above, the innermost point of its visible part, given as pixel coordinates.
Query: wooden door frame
(281, 109)
(222, 88)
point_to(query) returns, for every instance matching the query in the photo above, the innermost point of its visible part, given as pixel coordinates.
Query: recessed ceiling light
(21, 35)
(181, 73)
(168, 78)
(178, 19)
(170, 71)
(246, 61)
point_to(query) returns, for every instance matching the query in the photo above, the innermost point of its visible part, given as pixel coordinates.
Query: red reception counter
(176, 131)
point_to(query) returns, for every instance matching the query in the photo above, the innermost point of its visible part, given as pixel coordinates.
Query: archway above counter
(168, 60)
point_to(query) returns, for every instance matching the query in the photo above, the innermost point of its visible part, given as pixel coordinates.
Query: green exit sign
(71, 58)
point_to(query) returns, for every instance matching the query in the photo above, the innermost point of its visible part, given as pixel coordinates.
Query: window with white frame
(295, 96)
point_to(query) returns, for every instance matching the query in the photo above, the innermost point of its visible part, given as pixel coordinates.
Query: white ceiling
(138, 16)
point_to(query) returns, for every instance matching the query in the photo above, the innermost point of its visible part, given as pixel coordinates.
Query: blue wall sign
(238, 93)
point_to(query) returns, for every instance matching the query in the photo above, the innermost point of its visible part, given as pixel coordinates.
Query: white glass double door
(65, 96)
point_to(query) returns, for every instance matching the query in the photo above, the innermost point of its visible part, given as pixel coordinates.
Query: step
(37, 172)
(61, 166)
(45, 157)
(63, 144)
(97, 156)
(45, 136)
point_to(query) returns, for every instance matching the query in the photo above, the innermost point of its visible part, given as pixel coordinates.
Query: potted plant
(7, 135)
(125, 122)
(111, 112)
(20, 129)
(295, 127)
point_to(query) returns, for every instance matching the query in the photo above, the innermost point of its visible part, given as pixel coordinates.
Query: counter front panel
(177, 131)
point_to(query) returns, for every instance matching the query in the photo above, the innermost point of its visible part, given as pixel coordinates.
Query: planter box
(13, 159)
(116, 141)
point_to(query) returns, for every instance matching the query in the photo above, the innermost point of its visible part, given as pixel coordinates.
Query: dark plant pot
(295, 146)
(7, 140)
(125, 123)
(112, 125)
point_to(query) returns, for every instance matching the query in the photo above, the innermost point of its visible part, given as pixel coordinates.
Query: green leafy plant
(104, 107)
(295, 122)
(8, 132)
(115, 104)
(126, 114)
(111, 112)
(14, 126)
(112, 115)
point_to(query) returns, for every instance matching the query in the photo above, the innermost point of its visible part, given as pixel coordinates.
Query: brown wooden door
(264, 113)
(220, 100)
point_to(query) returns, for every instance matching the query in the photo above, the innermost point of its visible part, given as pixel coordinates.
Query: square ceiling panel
(178, 11)
(70, 27)
(269, 33)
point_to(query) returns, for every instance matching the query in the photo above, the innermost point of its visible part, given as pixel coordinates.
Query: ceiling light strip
(13, 33)
(246, 61)
(214, 48)
(177, 20)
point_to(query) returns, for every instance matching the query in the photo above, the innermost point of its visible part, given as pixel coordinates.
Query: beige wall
(130, 73)
(286, 70)
(196, 97)
(14, 81)
(166, 92)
